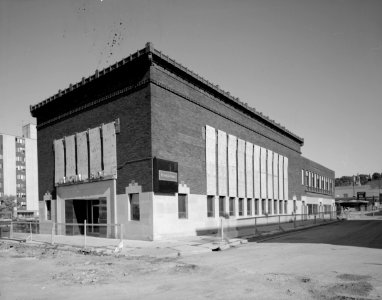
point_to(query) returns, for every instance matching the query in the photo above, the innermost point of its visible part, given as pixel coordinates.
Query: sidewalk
(182, 246)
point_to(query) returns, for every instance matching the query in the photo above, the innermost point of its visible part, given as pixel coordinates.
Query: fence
(261, 225)
(74, 234)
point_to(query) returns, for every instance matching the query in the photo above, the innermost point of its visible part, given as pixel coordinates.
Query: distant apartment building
(18, 168)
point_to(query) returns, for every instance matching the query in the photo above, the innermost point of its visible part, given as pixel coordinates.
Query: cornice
(108, 97)
(156, 55)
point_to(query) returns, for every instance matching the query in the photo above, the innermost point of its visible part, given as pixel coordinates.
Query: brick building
(149, 144)
(18, 169)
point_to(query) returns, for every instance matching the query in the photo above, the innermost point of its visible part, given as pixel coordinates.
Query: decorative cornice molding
(123, 91)
(153, 55)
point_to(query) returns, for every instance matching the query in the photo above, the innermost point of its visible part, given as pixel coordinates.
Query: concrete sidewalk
(182, 246)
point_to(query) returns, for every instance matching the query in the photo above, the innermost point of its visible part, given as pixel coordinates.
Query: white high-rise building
(18, 168)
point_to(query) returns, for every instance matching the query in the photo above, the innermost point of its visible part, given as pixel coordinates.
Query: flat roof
(158, 55)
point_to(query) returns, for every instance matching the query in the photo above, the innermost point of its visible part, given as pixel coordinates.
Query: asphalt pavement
(359, 233)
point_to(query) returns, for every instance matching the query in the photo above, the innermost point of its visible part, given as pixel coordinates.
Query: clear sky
(315, 66)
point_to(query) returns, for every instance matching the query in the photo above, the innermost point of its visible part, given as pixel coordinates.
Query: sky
(315, 66)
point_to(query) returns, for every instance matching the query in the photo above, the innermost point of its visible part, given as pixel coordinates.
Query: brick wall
(177, 130)
(133, 141)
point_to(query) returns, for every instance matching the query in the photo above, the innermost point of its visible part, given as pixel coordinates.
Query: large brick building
(149, 144)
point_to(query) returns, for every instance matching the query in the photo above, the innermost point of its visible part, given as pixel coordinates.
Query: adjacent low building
(359, 197)
(150, 144)
(18, 169)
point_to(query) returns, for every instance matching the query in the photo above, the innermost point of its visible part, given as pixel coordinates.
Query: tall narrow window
(241, 206)
(231, 206)
(285, 207)
(275, 207)
(182, 206)
(221, 206)
(210, 206)
(302, 176)
(249, 207)
(134, 207)
(256, 206)
(269, 206)
(263, 206)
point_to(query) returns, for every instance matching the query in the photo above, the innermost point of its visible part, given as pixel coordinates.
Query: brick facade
(163, 109)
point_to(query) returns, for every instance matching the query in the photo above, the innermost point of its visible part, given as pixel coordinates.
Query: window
(48, 210)
(241, 206)
(231, 206)
(256, 206)
(210, 206)
(134, 207)
(280, 207)
(302, 176)
(307, 178)
(269, 206)
(294, 206)
(249, 207)
(221, 206)
(182, 206)
(275, 207)
(263, 206)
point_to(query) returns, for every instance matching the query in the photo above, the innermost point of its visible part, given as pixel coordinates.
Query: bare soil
(281, 269)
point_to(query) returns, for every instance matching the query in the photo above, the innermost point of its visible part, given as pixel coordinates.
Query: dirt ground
(276, 269)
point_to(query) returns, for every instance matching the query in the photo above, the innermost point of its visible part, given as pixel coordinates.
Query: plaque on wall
(165, 176)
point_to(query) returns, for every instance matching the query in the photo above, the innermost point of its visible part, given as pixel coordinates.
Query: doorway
(94, 211)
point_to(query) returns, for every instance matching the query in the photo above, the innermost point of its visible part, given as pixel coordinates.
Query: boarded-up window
(95, 150)
(109, 149)
(59, 160)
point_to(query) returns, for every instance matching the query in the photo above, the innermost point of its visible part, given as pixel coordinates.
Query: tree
(376, 176)
(7, 203)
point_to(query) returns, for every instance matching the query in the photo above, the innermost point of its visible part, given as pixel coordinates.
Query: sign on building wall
(165, 176)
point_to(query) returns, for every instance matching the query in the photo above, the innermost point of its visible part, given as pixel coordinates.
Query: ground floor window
(210, 206)
(221, 206)
(231, 206)
(263, 211)
(182, 206)
(294, 206)
(256, 206)
(241, 206)
(134, 207)
(312, 209)
(327, 208)
(48, 210)
(275, 207)
(280, 207)
(285, 207)
(269, 206)
(249, 207)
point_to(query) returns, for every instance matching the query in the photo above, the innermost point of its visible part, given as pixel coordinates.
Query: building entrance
(94, 211)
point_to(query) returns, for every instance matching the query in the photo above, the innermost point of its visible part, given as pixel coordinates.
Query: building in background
(18, 169)
(150, 144)
(359, 197)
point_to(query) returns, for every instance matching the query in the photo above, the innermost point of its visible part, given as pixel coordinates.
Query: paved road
(359, 233)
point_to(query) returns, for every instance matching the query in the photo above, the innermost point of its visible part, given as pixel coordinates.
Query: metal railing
(263, 225)
(75, 234)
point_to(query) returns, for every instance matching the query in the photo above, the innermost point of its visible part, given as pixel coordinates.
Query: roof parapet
(149, 48)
